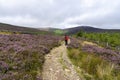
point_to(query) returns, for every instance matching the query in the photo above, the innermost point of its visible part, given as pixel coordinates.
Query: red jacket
(66, 37)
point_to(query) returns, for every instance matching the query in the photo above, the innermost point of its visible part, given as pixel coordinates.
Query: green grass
(58, 32)
(8, 32)
(92, 67)
(111, 40)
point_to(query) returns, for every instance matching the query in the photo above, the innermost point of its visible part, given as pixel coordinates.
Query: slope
(12, 28)
(75, 30)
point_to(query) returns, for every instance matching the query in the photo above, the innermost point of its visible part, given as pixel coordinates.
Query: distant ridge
(74, 30)
(13, 28)
(89, 29)
(49, 29)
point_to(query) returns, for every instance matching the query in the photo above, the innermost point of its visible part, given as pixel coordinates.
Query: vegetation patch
(92, 67)
(62, 62)
(106, 39)
(22, 56)
(59, 32)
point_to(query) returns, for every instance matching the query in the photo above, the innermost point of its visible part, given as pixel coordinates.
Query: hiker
(66, 40)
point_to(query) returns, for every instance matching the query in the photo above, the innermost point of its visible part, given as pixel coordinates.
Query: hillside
(75, 30)
(55, 31)
(34, 57)
(89, 29)
(22, 56)
(13, 28)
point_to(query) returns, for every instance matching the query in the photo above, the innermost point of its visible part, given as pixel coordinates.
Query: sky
(61, 13)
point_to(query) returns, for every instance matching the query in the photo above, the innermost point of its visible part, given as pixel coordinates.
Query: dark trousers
(66, 42)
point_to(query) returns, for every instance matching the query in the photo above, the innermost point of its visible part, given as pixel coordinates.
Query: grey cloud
(57, 13)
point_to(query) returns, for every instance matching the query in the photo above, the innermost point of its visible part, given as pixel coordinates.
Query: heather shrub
(74, 43)
(107, 54)
(22, 55)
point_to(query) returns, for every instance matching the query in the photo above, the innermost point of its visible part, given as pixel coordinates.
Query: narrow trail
(57, 66)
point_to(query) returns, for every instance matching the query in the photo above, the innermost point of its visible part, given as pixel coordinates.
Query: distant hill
(89, 29)
(74, 30)
(49, 29)
(54, 30)
(13, 28)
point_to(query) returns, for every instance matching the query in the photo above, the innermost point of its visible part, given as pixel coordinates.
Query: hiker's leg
(65, 42)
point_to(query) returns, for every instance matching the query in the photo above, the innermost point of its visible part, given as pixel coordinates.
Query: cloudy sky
(61, 13)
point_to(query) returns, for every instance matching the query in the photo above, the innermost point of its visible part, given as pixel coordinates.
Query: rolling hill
(74, 30)
(12, 28)
(89, 29)
(55, 31)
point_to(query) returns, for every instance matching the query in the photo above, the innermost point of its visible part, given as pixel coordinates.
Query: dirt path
(58, 66)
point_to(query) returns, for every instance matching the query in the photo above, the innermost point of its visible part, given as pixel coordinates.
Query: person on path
(66, 40)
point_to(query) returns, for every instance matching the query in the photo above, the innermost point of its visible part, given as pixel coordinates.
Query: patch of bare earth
(57, 66)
